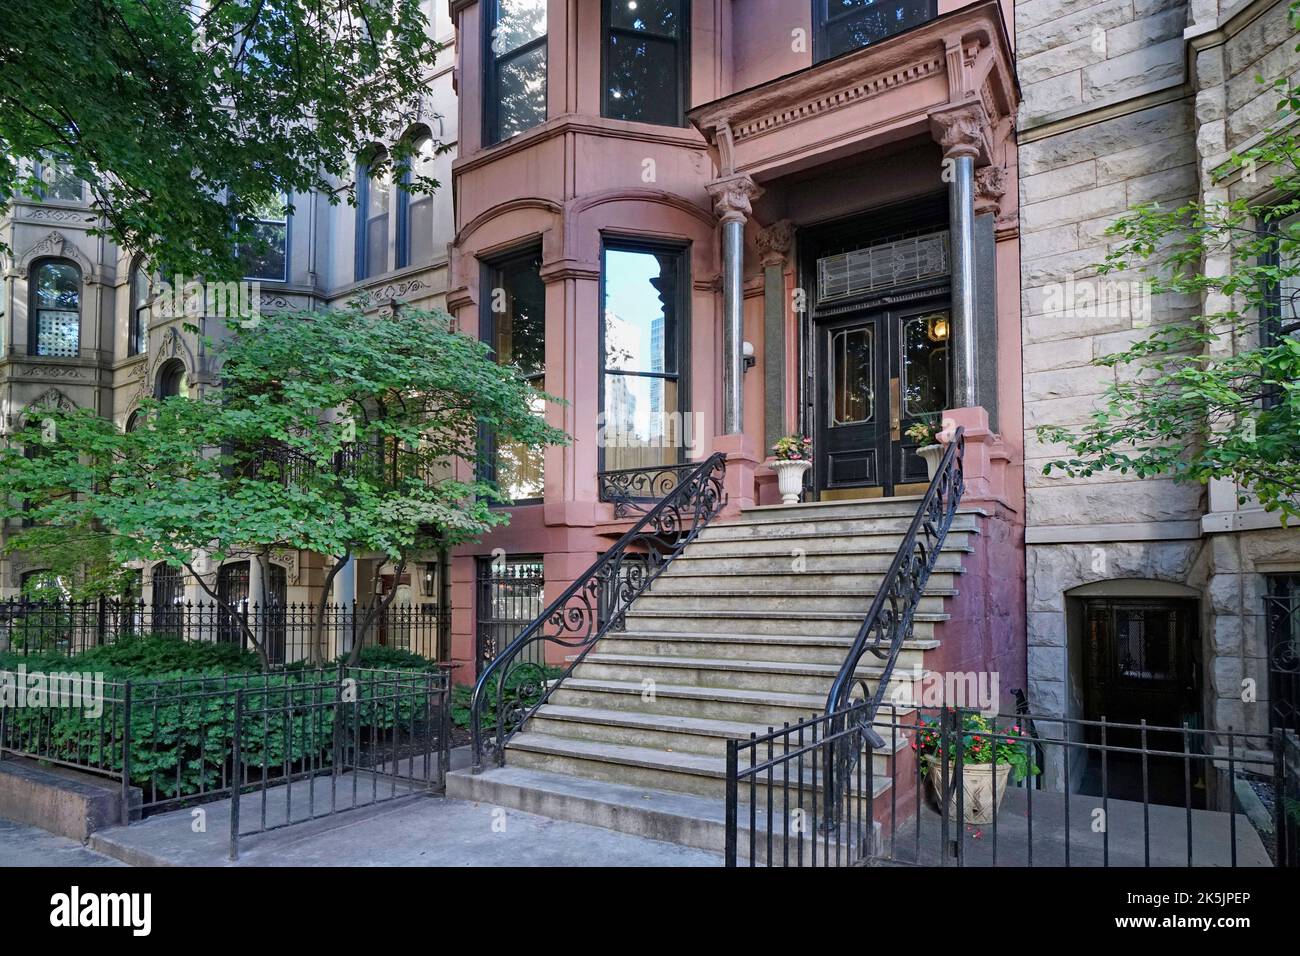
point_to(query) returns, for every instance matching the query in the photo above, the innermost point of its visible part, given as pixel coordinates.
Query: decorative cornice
(57, 246)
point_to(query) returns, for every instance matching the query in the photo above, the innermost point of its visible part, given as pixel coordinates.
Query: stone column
(960, 131)
(774, 246)
(731, 202)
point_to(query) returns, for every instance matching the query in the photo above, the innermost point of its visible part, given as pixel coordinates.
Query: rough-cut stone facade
(1129, 101)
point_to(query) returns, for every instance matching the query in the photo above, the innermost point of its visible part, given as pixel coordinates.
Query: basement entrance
(1141, 661)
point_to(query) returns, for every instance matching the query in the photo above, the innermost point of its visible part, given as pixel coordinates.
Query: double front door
(879, 372)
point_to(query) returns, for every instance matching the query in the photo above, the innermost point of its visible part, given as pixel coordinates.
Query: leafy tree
(185, 117)
(1216, 395)
(336, 432)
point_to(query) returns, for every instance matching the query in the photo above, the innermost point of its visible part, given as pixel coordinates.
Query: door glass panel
(925, 365)
(852, 396)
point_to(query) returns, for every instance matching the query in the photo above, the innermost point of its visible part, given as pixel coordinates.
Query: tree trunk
(373, 612)
(230, 610)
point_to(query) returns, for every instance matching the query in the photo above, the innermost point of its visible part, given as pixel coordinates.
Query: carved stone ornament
(961, 130)
(732, 197)
(774, 242)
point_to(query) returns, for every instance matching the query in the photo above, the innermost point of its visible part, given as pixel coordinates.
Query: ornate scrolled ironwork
(637, 490)
(888, 624)
(515, 684)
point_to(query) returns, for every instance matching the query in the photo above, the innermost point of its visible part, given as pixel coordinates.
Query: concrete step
(830, 623)
(866, 508)
(801, 648)
(701, 774)
(793, 565)
(763, 707)
(680, 818)
(676, 581)
(795, 678)
(837, 545)
(790, 601)
(833, 527)
(670, 734)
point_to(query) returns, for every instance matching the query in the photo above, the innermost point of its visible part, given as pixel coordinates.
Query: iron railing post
(733, 787)
(126, 753)
(236, 759)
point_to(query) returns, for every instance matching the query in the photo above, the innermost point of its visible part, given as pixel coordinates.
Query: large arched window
(55, 327)
(141, 292)
(415, 210)
(372, 215)
(172, 379)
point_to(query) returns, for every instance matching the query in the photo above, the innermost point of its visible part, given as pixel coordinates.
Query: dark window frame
(492, 64)
(137, 333)
(287, 222)
(402, 254)
(682, 250)
(822, 21)
(489, 270)
(34, 312)
(362, 267)
(682, 42)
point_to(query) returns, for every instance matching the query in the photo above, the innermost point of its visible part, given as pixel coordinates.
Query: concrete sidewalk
(411, 831)
(23, 845)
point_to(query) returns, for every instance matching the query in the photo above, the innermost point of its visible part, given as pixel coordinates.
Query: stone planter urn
(789, 479)
(978, 802)
(932, 454)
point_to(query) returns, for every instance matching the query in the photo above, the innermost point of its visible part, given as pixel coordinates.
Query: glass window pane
(56, 333)
(520, 330)
(925, 365)
(641, 311)
(1289, 287)
(520, 468)
(643, 77)
(642, 424)
(662, 17)
(852, 397)
(857, 23)
(266, 262)
(60, 182)
(58, 306)
(377, 193)
(58, 286)
(518, 22)
(419, 226)
(521, 93)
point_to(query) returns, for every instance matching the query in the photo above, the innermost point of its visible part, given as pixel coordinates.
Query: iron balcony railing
(888, 624)
(514, 685)
(632, 490)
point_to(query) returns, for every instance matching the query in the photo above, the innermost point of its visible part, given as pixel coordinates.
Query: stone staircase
(745, 631)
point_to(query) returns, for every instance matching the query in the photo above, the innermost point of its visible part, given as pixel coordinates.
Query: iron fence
(290, 633)
(926, 791)
(190, 740)
(330, 748)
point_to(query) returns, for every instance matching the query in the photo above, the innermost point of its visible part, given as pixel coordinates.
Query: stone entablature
(881, 94)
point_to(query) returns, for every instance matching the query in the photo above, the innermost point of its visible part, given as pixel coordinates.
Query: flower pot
(932, 454)
(979, 803)
(789, 479)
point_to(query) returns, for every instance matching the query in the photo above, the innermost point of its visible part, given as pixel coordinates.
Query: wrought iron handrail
(639, 489)
(888, 623)
(594, 604)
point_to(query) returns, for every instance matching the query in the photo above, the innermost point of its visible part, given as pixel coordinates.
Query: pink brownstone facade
(789, 233)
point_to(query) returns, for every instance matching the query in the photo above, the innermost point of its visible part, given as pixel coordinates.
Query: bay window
(645, 63)
(514, 87)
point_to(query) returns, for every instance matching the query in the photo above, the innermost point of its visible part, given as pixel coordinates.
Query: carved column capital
(962, 130)
(774, 242)
(732, 197)
(990, 187)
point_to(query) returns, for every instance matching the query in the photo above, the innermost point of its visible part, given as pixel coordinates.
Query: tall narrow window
(844, 25)
(643, 309)
(514, 95)
(372, 216)
(646, 63)
(515, 325)
(415, 210)
(168, 600)
(55, 327)
(267, 258)
(138, 332)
